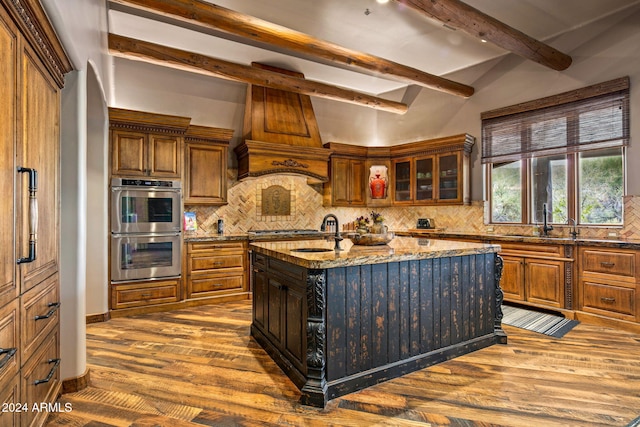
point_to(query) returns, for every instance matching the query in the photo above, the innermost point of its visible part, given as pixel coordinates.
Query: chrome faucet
(337, 237)
(574, 233)
(546, 228)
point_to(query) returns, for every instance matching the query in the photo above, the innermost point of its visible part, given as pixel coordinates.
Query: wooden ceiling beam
(206, 15)
(461, 16)
(193, 62)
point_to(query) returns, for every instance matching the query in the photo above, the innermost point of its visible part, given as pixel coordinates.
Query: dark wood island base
(351, 325)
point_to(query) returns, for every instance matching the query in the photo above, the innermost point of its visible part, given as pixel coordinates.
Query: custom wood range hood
(280, 134)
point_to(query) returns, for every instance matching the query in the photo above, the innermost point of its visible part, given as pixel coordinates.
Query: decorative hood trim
(281, 134)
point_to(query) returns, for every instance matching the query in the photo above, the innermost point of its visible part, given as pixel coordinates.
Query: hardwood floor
(199, 367)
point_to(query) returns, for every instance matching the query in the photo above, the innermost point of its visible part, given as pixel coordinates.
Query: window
(563, 155)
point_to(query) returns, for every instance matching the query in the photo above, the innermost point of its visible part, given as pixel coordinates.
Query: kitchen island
(337, 322)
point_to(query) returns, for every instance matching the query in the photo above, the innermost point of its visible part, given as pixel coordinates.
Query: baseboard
(72, 385)
(97, 318)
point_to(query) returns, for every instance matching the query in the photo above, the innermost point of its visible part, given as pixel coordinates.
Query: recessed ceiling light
(382, 1)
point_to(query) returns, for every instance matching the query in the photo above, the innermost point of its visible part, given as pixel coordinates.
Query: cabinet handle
(218, 263)
(607, 299)
(56, 363)
(258, 270)
(53, 308)
(217, 285)
(145, 295)
(33, 214)
(607, 264)
(8, 352)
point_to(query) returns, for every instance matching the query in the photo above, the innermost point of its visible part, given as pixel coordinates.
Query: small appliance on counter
(425, 223)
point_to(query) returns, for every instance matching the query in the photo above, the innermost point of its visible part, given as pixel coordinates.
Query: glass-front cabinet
(439, 178)
(403, 186)
(448, 167)
(424, 179)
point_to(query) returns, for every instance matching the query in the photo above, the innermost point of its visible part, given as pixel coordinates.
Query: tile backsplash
(244, 212)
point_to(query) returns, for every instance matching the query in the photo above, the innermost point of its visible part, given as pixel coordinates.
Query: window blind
(584, 124)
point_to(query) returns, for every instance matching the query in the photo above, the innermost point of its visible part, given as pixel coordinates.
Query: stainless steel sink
(312, 250)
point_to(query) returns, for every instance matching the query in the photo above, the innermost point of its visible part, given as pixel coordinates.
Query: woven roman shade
(590, 118)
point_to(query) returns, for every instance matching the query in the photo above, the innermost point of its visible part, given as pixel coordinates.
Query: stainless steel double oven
(146, 224)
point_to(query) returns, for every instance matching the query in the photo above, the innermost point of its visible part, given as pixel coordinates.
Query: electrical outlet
(613, 234)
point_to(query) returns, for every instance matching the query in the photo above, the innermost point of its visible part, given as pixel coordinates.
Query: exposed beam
(463, 17)
(193, 62)
(207, 15)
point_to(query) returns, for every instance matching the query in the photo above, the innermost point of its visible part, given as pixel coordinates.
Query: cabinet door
(402, 182)
(340, 172)
(424, 179)
(512, 281)
(205, 176)
(8, 46)
(128, 153)
(356, 183)
(294, 315)
(164, 156)
(449, 178)
(544, 282)
(274, 314)
(260, 299)
(39, 150)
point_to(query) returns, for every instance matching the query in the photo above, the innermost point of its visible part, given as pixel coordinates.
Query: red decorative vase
(378, 187)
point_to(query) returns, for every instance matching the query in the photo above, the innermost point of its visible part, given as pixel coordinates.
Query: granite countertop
(611, 243)
(214, 237)
(399, 249)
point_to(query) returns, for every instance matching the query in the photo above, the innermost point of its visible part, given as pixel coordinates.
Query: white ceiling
(391, 31)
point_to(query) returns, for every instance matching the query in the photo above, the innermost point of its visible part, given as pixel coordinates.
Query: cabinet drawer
(214, 262)
(215, 246)
(10, 394)
(614, 301)
(9, 337)
(528, 250)
(609, 262)
(202, 286)
(41, 378)
(39, 314)
(139, 294)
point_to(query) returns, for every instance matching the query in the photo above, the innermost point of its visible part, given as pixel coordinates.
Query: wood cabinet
(608, 284)
(144, 294)
(347, 171)
(217, 270)
(146, 144)
(206, 151)
(32, 67)
(280, 306)
(432, 172)
(538, 275)
(435, 171)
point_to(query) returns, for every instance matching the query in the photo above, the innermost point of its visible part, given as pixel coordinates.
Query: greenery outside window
(564, 153)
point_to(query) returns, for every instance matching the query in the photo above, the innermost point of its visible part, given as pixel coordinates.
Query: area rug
(536, 321)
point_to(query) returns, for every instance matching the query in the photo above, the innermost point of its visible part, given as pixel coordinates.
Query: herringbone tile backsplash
(244, 212)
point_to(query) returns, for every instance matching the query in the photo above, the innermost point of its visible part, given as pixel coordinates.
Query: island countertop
(399, 249)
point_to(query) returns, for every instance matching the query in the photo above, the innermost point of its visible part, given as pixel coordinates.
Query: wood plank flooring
(199, 367)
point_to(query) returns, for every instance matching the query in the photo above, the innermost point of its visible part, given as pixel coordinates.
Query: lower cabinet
(609, 283)
(217, 269)
(280, 303)
(537, 275)
(138, 294)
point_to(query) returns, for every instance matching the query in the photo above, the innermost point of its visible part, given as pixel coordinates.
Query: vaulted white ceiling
(391, 31)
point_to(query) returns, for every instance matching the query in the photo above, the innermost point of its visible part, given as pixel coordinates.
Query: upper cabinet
(435, 171)
(427, 172)
(347, 170)
(146, 144)
(206, 151)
